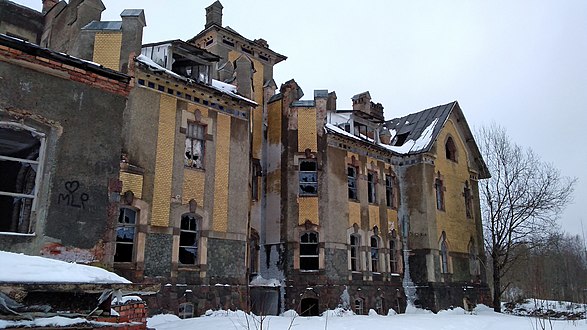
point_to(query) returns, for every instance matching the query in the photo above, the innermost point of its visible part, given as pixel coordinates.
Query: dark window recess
(226, 42)
(188, 97)
(170, 91)
(186, 310)
(151, 84)
(438, 184)
(220, 107)
(374, 254)
(450, 150)
(209, 42)
(359, 306)
(142, 82)
(196, 99)
(352, 182)
(355, 259)
(19, 163)
(400, 139)
(188, 240)
(393, 256)
(195, 145)
(468, 201)
(308, 177)
(444, 254)
(248, 51)
(205, 102)
(371, 187)
(125, 235)
(309, 251)
(309, 307)
(389, 197)
(161, 88)
(264, 58)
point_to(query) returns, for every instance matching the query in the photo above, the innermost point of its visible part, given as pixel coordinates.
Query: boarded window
(309, 251)
(195, 144)
(188, 240)
(352, 182)
(125, 235)
(308, 177)
(355, 257)
(19, 163)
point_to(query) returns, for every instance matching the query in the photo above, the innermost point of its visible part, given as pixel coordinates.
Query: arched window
(20, 161)
(355, 252)
(352, 182)
(393, 255)
(450, 149)
(443, 253)
(188, 240)
(375, 254)
(308, 177)
(186, 310)
(439, 186)
(359, 306)
(468, 200)
(309, 251)
(125, 235)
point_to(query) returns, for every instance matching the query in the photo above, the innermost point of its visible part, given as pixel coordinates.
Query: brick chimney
(214, 14)
(48, 4)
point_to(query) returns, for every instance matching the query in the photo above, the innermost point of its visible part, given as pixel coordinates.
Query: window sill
(309, 271)
(10, 233)
(194, 168)
(189, 268)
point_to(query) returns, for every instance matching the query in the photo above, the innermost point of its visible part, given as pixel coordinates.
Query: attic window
(400, 139)
(451, 150)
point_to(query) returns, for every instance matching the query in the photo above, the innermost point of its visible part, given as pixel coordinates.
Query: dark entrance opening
(309, 307)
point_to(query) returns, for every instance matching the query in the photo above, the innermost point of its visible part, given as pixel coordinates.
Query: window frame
(359, 306)
(393, 260)
(375, 254)
(389, 191)
(468, 196)
(301, 174)
(195, 244)
(356, 260)
(439, 186)
(192, 137)
(372, 187)
(182, 314)
(124, 208)
(444, 256)
(41, 137)
(352, 179)
(309, 256)
(450, 150)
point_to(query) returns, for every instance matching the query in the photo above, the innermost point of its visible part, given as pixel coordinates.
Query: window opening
(125, 235)
(444, 253)
(309, 251)
(374, 254)
(254, 255)
(308, 177)
(309, 307)
(195, 145)
(400, 139)
(188, 240)
(352, 182)
(450, 149)
(371, 187)
(359, 306)
(389, 197)
(439, 194)
(355, 259)
(468, 200)
(393, 256)
(186, 310)
(19, 164)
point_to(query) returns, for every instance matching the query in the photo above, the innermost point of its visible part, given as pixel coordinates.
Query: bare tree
(520, 202)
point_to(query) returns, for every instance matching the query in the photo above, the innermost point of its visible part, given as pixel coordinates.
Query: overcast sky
(519, 63)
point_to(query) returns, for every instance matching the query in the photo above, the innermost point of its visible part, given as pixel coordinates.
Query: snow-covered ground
(415, 319)
(546, 308)
(20, 268)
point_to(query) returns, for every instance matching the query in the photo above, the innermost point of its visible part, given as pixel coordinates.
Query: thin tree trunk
(496, 285)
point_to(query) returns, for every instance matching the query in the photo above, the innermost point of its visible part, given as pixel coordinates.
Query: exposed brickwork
(107, 49)
(307, 129)
(132, 182)
(220, 222)
(354, 213)
(62, 70)
(308, 210)
(193, 186)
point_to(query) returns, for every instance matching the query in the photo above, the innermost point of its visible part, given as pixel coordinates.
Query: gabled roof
(428, 123)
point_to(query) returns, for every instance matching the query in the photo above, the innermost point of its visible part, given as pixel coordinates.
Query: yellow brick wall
(132, 182)
(107, 49)
(354, 213)
(274, 123)
(164, 162)
(307, 129)
(459, 229)
(221, 168)
(203, 110)
(193, 186)
(392, 220)
(308, 210)
(374, 216)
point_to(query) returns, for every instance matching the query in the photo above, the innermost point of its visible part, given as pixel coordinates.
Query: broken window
(186, 310)
(439, 186)
(372, 187)
(355, 258)
(352, 182)
(389, 197)
(188, 240)
(450, 149)
(308, 177)
(393, 256)
(195, 145)
(309, 251)
(443, 254)
(468, 200)
(254, 253)
(20, 149)
(125, 235)
(374, 254)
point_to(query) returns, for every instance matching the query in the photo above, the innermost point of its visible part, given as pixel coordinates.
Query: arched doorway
(309, 307)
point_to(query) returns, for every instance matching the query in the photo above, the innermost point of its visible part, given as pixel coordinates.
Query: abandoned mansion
(184, 163)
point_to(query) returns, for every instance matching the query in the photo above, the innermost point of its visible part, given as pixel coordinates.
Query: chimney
(133, 22)
(48, 4)
(214, 15)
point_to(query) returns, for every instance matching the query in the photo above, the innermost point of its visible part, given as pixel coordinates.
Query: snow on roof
(30, 269)
(420, 143)
(217, 85)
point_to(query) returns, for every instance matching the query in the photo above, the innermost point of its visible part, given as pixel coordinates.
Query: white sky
(518, 63)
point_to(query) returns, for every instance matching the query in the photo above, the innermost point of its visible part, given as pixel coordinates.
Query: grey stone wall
(226, 260)
(336, 263)
(158, 249)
